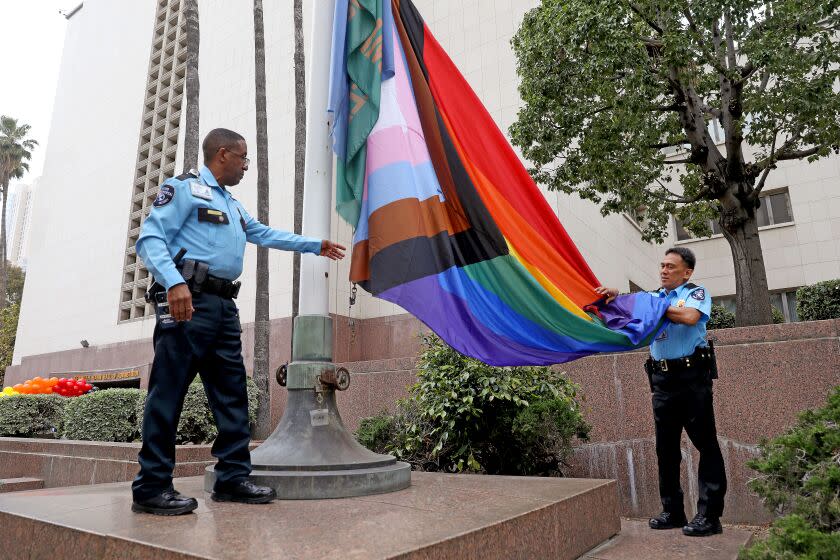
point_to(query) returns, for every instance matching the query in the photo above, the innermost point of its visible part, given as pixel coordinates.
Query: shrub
(721, 318)
(800, 469)
(31, 415)
(819, 301)
(463, 415)
(376, 432)
(109, 415)
(792, 538)
(197, 424)
(799, 474)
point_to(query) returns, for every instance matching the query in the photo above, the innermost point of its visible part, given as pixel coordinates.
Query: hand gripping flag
(449, 225)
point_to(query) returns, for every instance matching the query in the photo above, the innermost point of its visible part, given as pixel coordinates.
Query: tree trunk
(300, 146)
(4, 280)
(192, 84)
(261, 322)
(752, 295)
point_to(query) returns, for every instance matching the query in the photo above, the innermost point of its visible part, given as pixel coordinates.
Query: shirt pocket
(217, 225)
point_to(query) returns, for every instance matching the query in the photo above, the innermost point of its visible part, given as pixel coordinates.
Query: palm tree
(261, 323)
(15, 150)
(300, 146)
(193, 41)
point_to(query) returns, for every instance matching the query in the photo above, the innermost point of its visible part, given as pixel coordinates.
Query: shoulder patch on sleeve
(164, 196)
(699, 294)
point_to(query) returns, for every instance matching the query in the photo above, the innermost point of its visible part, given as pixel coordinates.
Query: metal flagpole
(311, 455)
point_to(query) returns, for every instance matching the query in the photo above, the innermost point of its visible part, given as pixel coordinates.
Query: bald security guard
(680, 369)
(193, 242)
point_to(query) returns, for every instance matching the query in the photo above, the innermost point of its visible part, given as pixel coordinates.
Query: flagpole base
(311, 455)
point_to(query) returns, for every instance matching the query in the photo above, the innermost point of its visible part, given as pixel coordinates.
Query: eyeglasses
(245, 160)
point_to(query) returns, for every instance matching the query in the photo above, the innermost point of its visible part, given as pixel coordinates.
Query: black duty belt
(702, 357)
(199, 280)
(218, 286)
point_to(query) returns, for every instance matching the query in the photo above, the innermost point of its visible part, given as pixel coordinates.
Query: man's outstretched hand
(611, 293)
(332, 250)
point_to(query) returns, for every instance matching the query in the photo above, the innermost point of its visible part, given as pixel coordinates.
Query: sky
(31, 43)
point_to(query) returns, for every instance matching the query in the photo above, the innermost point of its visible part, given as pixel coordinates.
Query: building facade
(117, 133)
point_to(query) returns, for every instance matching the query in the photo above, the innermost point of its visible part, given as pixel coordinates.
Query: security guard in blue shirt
(680, 369)
(193, 242)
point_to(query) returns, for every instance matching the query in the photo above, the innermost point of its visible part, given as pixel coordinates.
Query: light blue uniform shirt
(202, 217)
(678, 341)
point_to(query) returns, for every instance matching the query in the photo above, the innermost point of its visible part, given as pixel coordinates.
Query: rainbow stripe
(454, 230)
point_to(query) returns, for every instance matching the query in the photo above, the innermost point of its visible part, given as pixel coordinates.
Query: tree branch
(698, 39)
(730, 42)
(680, 199)
(646, 19)
(799, 153)
(766, 170)
(678, 142)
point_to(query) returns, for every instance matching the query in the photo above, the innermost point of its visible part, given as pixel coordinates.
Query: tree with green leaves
(612, 88)
(15, 278)
(15, 151)
(8, 332)
(9, 316)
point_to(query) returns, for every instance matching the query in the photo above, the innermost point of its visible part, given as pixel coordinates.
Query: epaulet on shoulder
(691, 286)
(191, 174)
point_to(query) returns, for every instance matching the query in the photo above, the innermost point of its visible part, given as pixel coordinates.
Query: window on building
(683, 234)
(637, 215)
(157, 146)
(783, 300)
(774, 210)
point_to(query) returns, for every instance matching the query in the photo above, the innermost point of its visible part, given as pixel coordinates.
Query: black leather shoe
(245, 492)
(169, 502)
(702, 526)
(667, 520)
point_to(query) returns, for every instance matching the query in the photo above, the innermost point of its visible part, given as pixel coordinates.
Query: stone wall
(767, 375)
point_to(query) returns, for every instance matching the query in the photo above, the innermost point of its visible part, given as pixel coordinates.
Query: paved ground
(637, 542)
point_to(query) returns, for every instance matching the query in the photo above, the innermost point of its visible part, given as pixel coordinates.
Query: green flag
(364, 70)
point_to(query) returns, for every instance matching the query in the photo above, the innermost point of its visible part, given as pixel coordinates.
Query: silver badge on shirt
(201, 191)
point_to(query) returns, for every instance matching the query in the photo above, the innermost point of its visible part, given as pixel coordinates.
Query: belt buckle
(663, 365)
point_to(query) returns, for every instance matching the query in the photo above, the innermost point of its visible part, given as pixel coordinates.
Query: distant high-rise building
(18, 224)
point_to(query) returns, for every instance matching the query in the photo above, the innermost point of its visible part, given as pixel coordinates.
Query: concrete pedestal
(439, 516)
(311, 455)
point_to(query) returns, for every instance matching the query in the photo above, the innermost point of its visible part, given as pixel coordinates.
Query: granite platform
(637, 541)
(440, 516)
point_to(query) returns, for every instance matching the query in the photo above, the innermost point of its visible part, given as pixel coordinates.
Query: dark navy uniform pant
(210, 345)
(684, 400)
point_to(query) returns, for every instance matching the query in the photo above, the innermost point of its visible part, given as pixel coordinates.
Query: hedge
(197, 424)
(721, 318)
(109, 415)
(799, 477)
(819, 301)
(31, 415)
